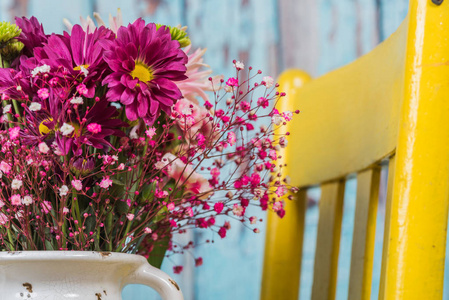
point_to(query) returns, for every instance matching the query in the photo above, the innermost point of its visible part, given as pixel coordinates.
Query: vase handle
(156, 279)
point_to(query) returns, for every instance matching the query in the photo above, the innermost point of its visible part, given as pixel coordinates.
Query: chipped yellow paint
(391, 169)
(419, 213)
(364, 234)
(328, 241)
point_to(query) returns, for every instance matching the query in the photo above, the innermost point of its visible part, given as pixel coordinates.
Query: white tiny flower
(43, 148)
(228, 89)
(16, 184)
(7, 109)
(30, 161)
(84, 71)
(114, 157)
(276, 119)
(27, 200)
(77, 100)
(66, 129)
(63, 190)
(283, 142)
(239, 65)
(34, 106)
(65, 210)
(42, 69)
(269, 81)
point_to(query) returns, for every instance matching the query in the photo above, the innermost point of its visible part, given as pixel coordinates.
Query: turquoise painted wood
(271, 35)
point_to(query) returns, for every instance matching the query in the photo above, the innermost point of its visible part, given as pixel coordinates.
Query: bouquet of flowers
(110, 141)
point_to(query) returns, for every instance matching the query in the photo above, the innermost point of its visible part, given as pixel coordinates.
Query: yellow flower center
(43, 129)
(78, 68)
(142, 72)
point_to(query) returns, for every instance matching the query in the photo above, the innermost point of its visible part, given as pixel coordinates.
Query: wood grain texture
(328, 241)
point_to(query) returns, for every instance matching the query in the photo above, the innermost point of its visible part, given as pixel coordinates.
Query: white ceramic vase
(82, 275)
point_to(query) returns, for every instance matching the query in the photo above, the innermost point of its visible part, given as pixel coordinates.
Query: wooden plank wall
(271, 35)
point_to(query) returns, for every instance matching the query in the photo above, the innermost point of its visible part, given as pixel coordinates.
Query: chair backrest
(389, 106)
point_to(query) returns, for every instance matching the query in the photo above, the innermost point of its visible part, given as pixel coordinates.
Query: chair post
(420, 202)
(283, 245)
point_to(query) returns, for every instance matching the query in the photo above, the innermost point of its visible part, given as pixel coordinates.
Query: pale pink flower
(288, 115)
(189, 211)
(276, 119)
(7, 109)
(65, 210)
(277, 206)
(14, 132)
(269, 81)
(3, 219)
(239, 65)
(63, 190)
(27, 200)
(105, 182)
(130, 217)
(121, 167)
(238, 210)
(147, 230)
(35, 106)
(82, 89)
(5, 167)
(46, 206)
(43, 148)
(197, 82)
(43, 93)
(150, 132)
(171, 206)
(280, 191)
(77, 184)
(232, 139)
(16, 199)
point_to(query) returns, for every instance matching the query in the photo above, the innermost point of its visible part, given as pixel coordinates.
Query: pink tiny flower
(82, 89)
(280, 191)
(232, 139)
(43, 93)
(245, 106)
(14, 132)
(65, 210)
(177, 269)
(222, 232)
(170, 206)
(3, 219)
(147, 230)
(43, 148)
(121, 167)
(253, 220)
(262, 102)
(189, 211)
(173, 223)
(16, 199)
(150, 132)
(130, 217)
(77, 184)
(232, 82)
(218, 207)
(94, 128)
(277, 206)
(105, 182)
(198, 261)
(161, 194)
(215, 172)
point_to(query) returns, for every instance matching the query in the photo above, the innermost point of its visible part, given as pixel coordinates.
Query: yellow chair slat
(386, 242)
(328, 240)
(364, 234)
(281, 272)
(283, 249)
(419, 214)
(349, 117)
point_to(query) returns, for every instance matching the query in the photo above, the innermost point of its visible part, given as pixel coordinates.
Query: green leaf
(158, 253)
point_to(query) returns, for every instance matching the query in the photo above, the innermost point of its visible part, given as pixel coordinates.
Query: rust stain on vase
(98, 296)
(104, 291)
(174, 283)
(28, 286)
(105, 254)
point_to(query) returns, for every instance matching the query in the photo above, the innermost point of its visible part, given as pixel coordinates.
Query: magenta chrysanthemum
(145, 62)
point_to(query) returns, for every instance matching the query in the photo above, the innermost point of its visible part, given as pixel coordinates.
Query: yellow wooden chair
(391, 105)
